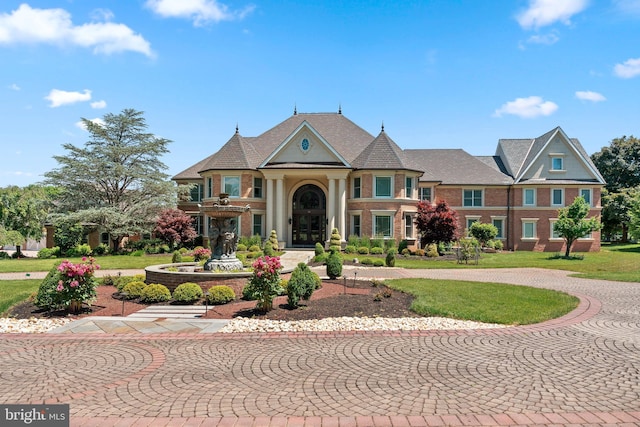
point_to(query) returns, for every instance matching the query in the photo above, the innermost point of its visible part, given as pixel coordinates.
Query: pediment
(305, 146)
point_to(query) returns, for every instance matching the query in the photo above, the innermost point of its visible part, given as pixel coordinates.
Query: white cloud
(97, 121)
(201, 12)
(61, 97)
(630, 68)
(549, 39)
(528, 108)
(546, 12)
(14, 86)
(590, 96)
(54, 26)
(99, 104)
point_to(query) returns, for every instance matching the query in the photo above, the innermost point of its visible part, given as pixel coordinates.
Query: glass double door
(308, 228)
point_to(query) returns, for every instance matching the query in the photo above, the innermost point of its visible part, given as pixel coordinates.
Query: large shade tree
(117, 180)
(619, 164)
(436, 224)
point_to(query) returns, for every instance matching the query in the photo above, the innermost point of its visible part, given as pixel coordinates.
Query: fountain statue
(223, 234)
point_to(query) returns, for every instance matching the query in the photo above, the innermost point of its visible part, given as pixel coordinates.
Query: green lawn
(485, 302)
(613, 262)
(120, 262)
(15, 291)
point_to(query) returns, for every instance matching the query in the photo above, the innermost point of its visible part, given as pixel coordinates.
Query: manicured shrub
(187, 292)
(220, 294)
(302, 283)
(483, 232)
(133, 289)
(354, 240)
(322, 258)
(378, 263)
(273, 241)
(334, 265)
(363, 250)
(366, 261)
(420, 252)
(74, 284)
(47, 296)
(155, 292)
(432, 250)
(177, 257)
(335, 240)
(388, 244)
(252, 254)
(402, 246)
(406, 252)
(349, 249)
(319, 249)
(101, 249)
(376, 250)
(241, 247)
(390, 260)
(79, 251)
(377, 243)
(254, 248)
(498, 245)
(47, 253)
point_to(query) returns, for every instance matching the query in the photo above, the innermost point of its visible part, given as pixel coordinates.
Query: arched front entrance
(309, 214)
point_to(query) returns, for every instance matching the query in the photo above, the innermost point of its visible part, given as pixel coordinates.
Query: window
(408, 225)
(499, 224)
(557, 197)
(257, 225)
(529, 229)
(587, 195)
(408, 188)
(257, 187)
(355, 225)
(104, 239)
(197, 192)
(382, 225)
(529, 197)
(425, 193)
(356, 188)
(383, 186)
(231, 186)
(197, 224)
(471, 220)
(472, 198)
(557, 163)
(209, 187)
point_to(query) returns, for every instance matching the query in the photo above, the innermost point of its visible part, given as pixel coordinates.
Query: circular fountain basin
(191, 272)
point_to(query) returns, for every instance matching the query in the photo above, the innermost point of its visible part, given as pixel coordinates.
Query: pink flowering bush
(264, 284)
(68, 285)
(201, 253)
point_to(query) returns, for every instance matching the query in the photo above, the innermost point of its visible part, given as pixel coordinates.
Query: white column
(269, 214)
(279, 207)
(331, 207)
(342, 203)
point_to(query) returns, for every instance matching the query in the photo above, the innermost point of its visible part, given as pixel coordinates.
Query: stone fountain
(223, 234)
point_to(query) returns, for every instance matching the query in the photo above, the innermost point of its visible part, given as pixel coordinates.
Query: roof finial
(340, 108)
(237, 128)
(295, 109)
(382, 130)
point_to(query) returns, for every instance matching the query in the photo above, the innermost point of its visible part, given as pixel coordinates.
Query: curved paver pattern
(584, 369)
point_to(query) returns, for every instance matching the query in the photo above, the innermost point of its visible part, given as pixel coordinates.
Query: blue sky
(438, 74)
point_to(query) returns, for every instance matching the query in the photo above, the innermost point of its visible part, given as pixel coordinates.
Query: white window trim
(209, 187)
(430, 191)
(468, 218)
(413, 225)
(481, 197)
(254, 187)
(552, 221)
(264, 218)
(551, 198)
(504, 221)
(590, 190)
(560, 156)
(353, 187)
(535, 229)
(524, 197)
(375, 184)
(412, 189)
(375, 213)
(222, 184)
(353, 213)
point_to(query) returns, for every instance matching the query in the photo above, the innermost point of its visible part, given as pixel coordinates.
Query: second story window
(257, 187)
(408, 188)
(356, 188)
(197, 192)
(231, 186)
(425, 194)
(472, 198)
(383, 187)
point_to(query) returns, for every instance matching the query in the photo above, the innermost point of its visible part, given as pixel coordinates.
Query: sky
(437, 74)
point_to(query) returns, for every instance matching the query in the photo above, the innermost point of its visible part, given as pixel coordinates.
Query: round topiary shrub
(254, 248)
(177, 257)
(241, 247)
(220, 294)
(366, 261)
(155, 292)
(377, 251)
(187, 292)
(350, 249)
(363, 250)
(133, 289)
(390, 260)
(378, 263)
(319, 249)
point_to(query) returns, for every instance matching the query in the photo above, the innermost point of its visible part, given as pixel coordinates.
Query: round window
(304, 144)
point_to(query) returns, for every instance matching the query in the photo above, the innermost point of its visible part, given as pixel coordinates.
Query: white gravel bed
(29, 326)
(353, 324)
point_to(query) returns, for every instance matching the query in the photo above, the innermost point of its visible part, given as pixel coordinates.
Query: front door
(308, 216)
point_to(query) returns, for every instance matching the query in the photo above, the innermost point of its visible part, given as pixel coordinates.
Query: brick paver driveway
(582, 369)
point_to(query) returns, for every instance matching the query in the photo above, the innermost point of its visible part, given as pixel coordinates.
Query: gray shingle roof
(457, 167)
(383, 153)
(235, 154)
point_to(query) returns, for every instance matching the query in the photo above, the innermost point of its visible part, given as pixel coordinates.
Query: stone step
(170, 311)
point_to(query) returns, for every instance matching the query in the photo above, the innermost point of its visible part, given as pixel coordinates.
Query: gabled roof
(192, 171)
(457, 167)
(519, 154)
(383, 153)
(235, 154)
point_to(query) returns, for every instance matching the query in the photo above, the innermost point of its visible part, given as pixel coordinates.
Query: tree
(174, 226)
(619, 164)
(23, 212)
(116, 181)
(436, 224)
(572, 223)
(634, 216)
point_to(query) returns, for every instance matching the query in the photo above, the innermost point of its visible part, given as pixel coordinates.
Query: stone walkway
(582, 369)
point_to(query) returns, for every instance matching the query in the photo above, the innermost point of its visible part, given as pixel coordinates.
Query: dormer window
(557, 162)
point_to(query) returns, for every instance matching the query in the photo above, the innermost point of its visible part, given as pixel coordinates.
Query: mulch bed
(334, 299)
